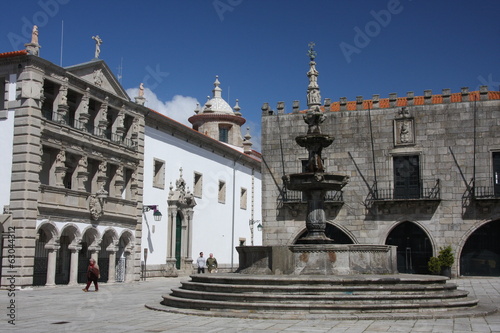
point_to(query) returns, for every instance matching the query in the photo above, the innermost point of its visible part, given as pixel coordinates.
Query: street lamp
(156, 213)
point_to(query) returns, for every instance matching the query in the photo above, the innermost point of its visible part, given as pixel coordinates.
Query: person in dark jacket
(93, 275)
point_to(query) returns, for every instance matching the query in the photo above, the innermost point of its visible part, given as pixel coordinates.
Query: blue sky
(258, 47)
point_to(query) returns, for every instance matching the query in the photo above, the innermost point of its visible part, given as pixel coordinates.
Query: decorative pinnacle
(311, 53)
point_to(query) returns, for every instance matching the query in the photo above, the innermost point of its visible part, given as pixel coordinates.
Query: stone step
(243, 295)
(343, 307)
(313, 280)
(307, 289)
(318, 297)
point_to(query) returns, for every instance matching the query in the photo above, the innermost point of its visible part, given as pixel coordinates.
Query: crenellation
(465, 94)
(343, 103)
(359, 102)
(393, 99)
(483, 93)
(410, 98)
(446, 95)
(375, 101)
(427, 97)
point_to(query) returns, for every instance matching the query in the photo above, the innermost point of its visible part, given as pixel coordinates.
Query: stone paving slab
(121, 307)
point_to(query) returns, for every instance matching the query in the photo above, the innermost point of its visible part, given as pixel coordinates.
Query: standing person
(200, 262)
(92, 275)
(212, 264)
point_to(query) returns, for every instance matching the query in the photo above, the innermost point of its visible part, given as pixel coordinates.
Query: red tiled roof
(13, 54)
(417, 100)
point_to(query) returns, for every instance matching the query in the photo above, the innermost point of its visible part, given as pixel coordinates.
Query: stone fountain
(316, 277)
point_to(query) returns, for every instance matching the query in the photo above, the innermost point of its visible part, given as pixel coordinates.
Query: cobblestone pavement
(120, 308)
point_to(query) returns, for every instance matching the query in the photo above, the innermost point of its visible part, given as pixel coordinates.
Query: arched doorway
(41, 258)
(414, 248)
(124, 258)
(481, 253)
(332, 232)
(107, 256)
(89, 245)
(69, 242)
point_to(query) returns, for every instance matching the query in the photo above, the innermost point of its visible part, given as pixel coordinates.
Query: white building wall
(6, 143)
(213, 222)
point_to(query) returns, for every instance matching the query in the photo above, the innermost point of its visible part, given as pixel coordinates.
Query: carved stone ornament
(404, 132)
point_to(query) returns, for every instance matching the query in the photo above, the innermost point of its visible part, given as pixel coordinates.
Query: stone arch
(70, 243)
(107, 255)
(339, 234)
(478, 252)
(414, 246)
(125, 257)
(46, 243)
(90, 246)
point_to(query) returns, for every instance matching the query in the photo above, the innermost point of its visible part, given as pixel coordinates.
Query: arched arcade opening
(414, 247)
(481, 253)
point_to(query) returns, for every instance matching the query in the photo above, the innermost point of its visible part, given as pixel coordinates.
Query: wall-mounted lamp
(251, 222)
(156, 213)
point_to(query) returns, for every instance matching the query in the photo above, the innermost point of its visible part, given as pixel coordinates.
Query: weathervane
(311, 53)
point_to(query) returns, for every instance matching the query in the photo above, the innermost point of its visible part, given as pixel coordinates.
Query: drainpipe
(234, 211)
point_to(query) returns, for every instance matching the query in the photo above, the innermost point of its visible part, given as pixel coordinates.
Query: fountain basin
(310, 181)
(318, 259)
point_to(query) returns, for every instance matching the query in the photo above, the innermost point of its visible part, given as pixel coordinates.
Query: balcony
(425, 190)
(55, 117)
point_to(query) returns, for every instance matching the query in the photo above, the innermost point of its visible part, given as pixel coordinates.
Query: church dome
(217, 104)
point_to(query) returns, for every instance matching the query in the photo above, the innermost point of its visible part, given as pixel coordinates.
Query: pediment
(98, 73)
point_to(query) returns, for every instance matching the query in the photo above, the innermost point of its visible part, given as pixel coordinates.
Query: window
(198, 185)
(223, 134)
(496, 174)
(222, 192)
(243, 198)
(2, 93)
(159, 174)
(406, 177)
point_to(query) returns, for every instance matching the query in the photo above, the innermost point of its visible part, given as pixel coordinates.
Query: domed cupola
(218, 120)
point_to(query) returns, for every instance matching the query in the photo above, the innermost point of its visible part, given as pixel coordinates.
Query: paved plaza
(120, 308)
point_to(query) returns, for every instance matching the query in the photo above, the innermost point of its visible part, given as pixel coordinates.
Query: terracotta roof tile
(13, 54)
(417, 100)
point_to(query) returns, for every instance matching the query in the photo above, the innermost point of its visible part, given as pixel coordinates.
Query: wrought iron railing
(420, 192)
(483, 188)
(298, 196)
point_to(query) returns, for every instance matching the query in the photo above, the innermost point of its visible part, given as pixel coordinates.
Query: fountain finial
(313, 95)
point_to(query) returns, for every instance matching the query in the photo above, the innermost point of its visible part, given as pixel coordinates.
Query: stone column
(112, 267)
(51, 266)
(73, 267)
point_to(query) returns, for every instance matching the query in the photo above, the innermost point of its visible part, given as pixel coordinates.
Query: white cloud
(180, 108)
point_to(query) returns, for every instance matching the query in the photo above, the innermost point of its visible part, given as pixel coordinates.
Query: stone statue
(141, 90)
(98, 42)
(405, 135)
(313, 120)
(34, 35)
(63, 92)
(98, 77)
(313, 97)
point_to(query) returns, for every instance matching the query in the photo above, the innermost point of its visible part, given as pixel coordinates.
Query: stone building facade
(88, 173)
(72, 174)
(206, 181)
(424, 173)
